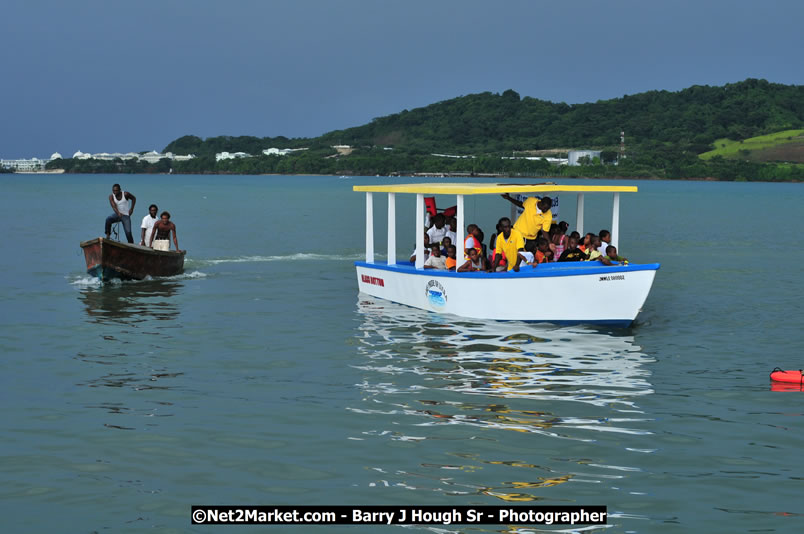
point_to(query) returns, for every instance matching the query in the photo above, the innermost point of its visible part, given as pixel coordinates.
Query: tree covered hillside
(488, 123)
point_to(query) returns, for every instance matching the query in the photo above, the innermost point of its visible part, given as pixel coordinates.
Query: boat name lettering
(373, 280)
(435, 293)
(612, 277)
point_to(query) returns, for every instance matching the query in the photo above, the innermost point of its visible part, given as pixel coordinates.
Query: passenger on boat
(471, 240)
(510, 242)
(160, 238)
(611, 257)
(543, 252)
(446, 242)
(436, 260)
(572, 252)
(605, 240)
(438, 230)
(452, 228)
(587, 239)
(558, 235)
(474, 263)
(451, 260)
(480, 236)
(536, 214)
(493, 245)
(122, 211)
(426, 249)
(593, 250)
(147, 225)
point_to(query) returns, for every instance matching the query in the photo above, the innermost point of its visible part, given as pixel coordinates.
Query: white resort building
(28, 165)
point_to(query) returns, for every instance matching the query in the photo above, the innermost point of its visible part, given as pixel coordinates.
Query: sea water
(260, 376)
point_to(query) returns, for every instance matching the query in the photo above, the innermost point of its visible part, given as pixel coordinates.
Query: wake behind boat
(108, 259)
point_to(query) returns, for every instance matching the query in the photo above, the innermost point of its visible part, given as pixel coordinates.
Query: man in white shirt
(148, 225)
(438, 230)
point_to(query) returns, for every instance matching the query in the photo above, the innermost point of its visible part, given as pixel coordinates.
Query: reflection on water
(530, 407)
(131, 302)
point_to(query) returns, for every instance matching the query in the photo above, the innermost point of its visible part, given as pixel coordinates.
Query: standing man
(122, 212)
(160, 237)
(148, 223)
(536, 216)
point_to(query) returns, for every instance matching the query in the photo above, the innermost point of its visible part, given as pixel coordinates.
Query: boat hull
(577, 292)
(109, 260)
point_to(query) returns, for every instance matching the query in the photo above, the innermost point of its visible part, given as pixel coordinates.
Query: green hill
(488, 123)
(787, 146)
(665, 132)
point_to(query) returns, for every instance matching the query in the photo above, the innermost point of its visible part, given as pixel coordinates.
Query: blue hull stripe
(546, 270)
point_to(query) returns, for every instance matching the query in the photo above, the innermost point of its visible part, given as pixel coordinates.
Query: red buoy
(789, 377)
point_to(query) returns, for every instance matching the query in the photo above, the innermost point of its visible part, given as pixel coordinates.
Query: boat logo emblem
(436, 294)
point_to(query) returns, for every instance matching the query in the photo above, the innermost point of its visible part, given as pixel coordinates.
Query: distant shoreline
(446, 175)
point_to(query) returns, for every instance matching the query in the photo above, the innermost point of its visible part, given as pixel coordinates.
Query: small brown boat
(109, 259)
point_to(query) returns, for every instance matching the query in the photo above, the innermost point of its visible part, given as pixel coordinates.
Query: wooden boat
(108, 259)
(611, 294)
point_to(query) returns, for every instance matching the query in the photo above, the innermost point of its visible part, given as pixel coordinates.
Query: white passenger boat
(567, 292)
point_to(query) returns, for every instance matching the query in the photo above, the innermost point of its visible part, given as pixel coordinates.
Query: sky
(117, 76)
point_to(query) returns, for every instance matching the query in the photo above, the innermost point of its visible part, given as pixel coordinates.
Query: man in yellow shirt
(509, 243)
(536, 216)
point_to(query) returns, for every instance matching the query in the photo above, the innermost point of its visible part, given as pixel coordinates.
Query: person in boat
(474, 263)
(605, 240)
(160, 238)
(612, 256)
(593, 249)
(509, 242)
(446, 242)
(426, 249)
(451, 261)
(119, 200)
(572, 252)
(559, 237)
(436, 260)
(536, 215)
(438, 230)
(543, 252)
(452, 228)
(587, 240)
(147, 225)
(472, 241)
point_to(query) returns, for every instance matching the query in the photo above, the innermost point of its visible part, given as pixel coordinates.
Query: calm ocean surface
(261, 377)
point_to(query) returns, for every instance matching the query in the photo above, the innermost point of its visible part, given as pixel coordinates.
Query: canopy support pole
(579, 215)
(419, 222)
(391, 228)
(459, 230)
(369, 228)
(615, 221)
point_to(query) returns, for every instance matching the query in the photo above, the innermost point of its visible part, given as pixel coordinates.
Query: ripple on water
(495, 390)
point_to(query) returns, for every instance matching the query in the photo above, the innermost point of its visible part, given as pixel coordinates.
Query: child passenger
(543, 252)
(572, 253)
(611, 257)
(446, 241)
(592, 252)
(450, 262)
(474, 263)
(436, 260)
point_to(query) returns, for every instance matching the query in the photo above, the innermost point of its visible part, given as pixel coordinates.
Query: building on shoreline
(28, 165)
(575, 155)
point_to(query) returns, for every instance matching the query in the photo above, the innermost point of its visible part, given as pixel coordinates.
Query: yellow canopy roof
(489, 189)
